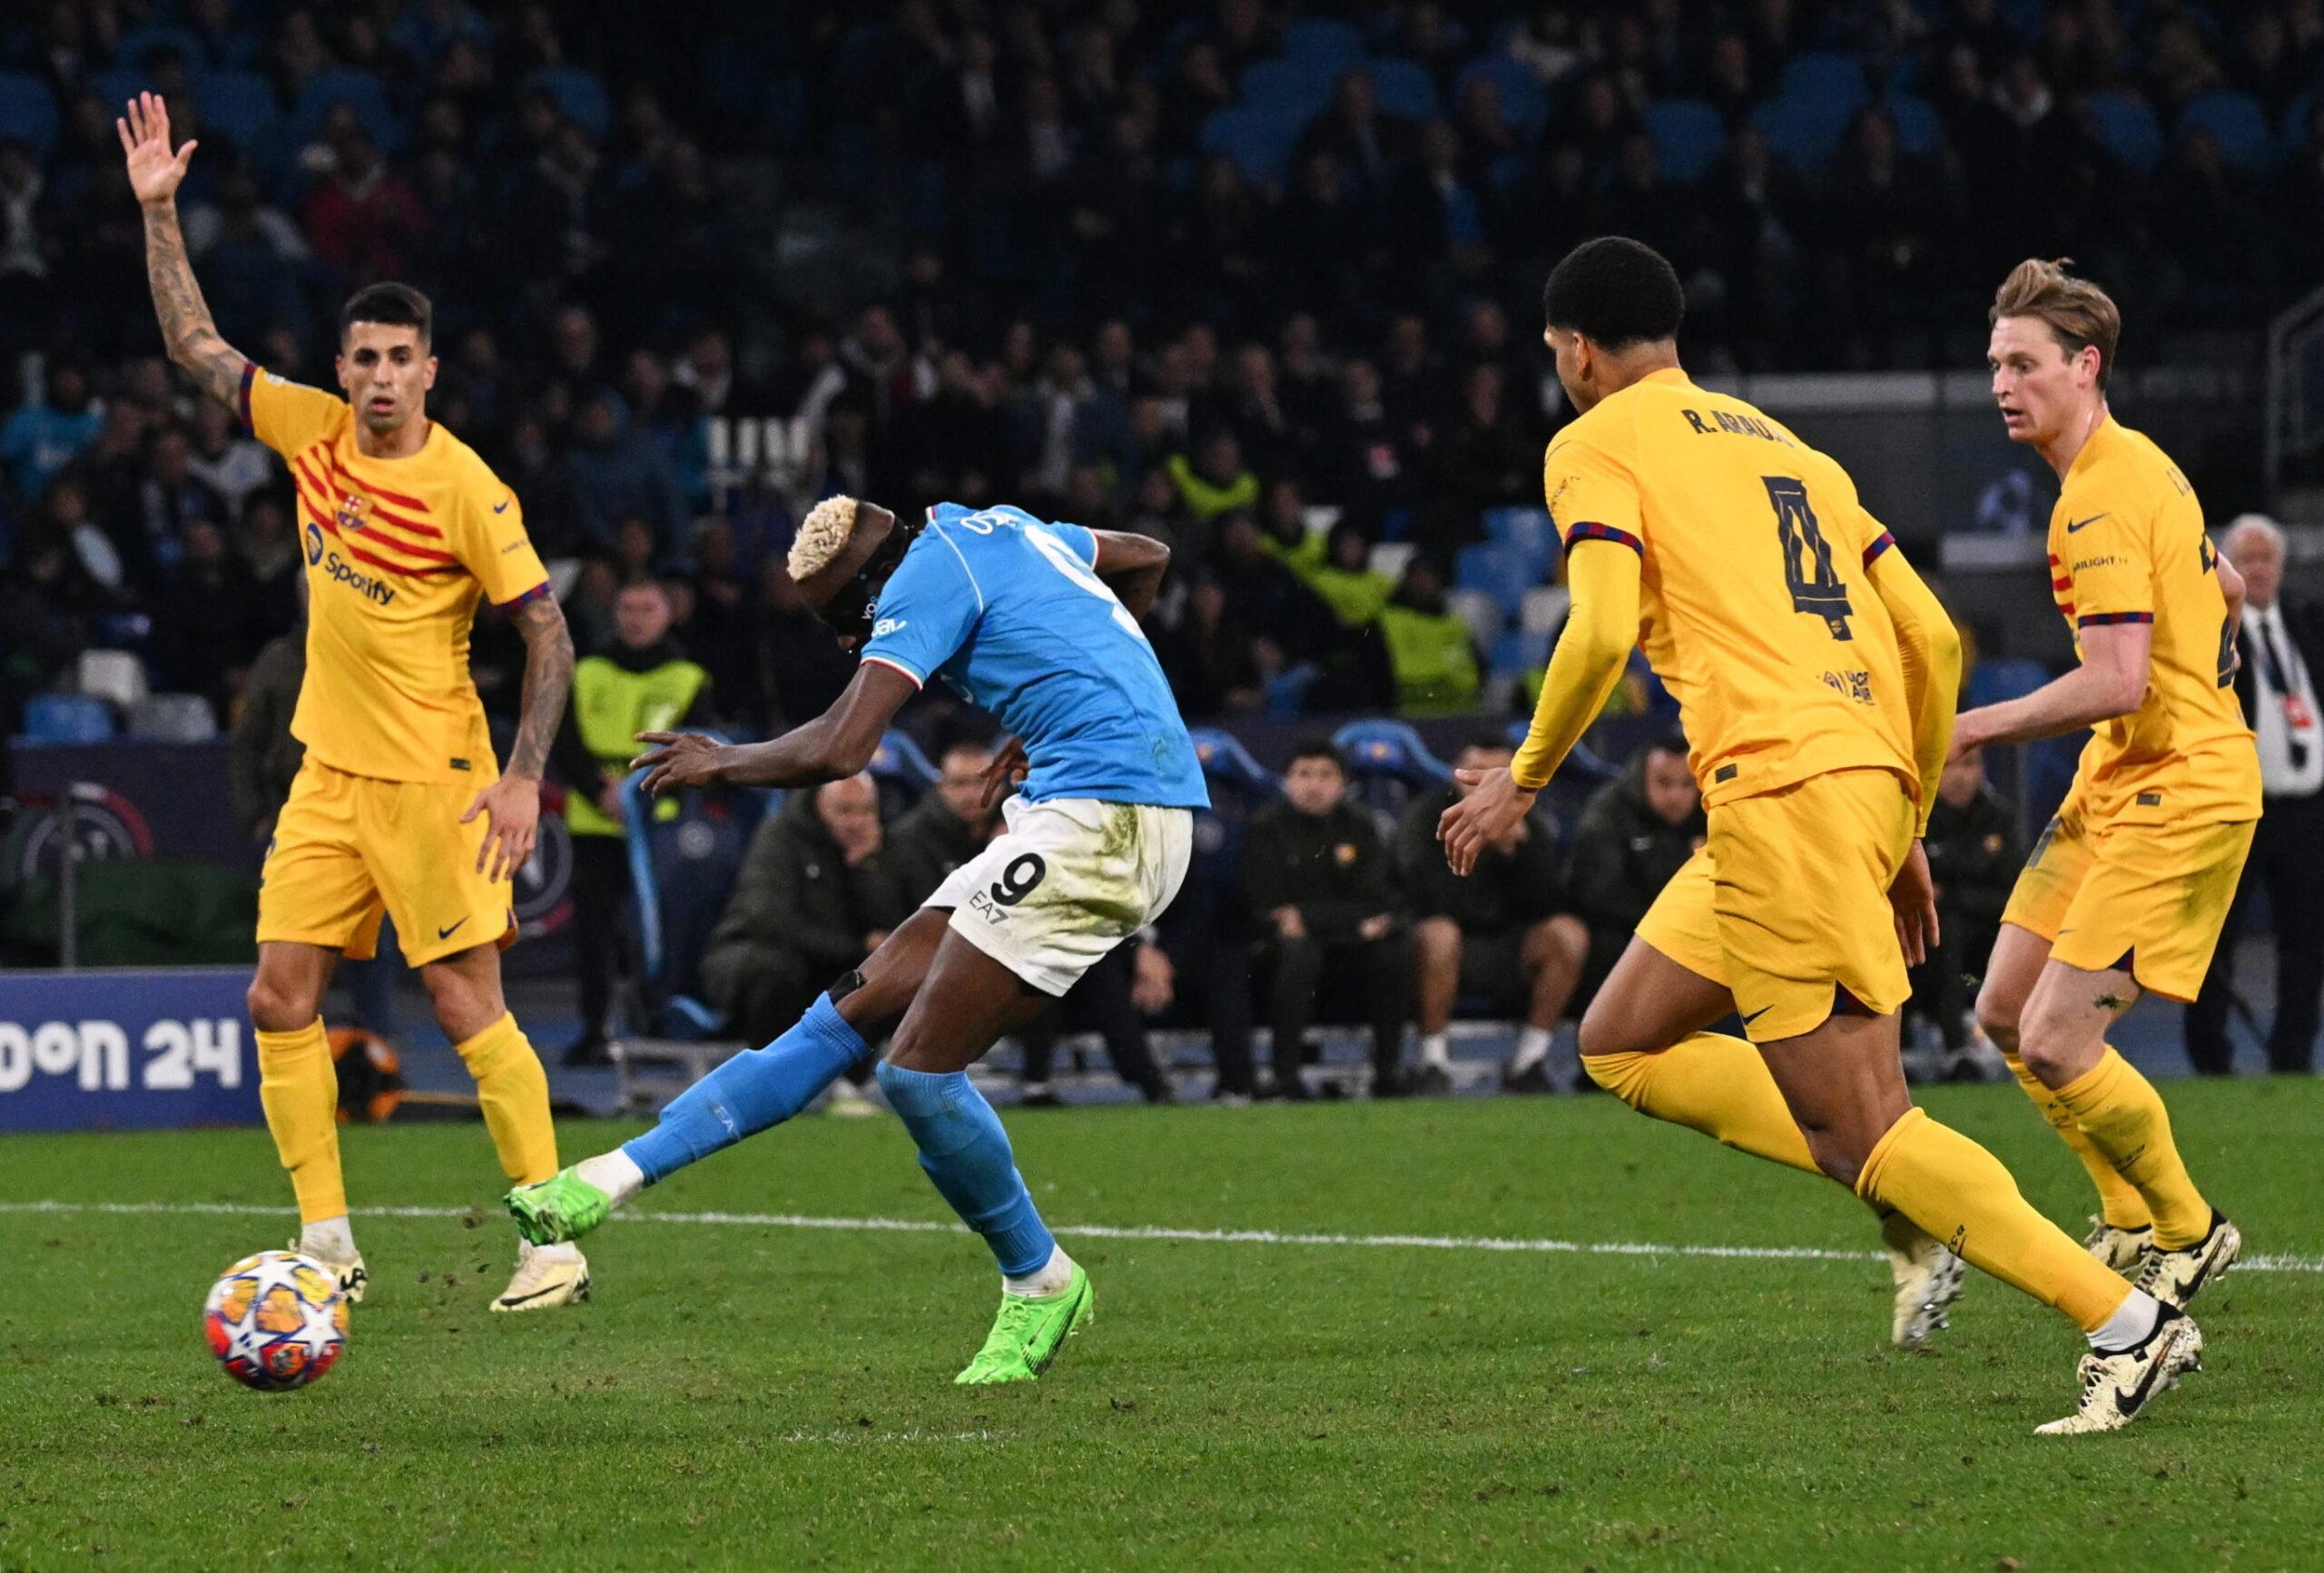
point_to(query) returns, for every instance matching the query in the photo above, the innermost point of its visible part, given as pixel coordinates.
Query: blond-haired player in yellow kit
(2129, 887)
(399, 808)
(1816, 688)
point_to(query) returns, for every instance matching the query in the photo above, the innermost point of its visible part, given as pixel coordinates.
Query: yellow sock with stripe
(1711, 1083)
(514, 1092)
(299, 1088)
(1961, 1195)
(2122, 1117)
(2119, 1201)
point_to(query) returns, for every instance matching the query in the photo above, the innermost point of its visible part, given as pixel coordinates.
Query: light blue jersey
(1006, 609)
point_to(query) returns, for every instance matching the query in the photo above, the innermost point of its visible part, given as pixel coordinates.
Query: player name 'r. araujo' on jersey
(1009, 612)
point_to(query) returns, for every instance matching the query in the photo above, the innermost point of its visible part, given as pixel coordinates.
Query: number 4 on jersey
(1816, 589)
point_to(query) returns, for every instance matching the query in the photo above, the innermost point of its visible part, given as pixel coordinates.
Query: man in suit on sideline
(2282, 644)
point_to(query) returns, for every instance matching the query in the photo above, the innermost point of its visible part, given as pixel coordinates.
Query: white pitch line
(2267, 1264)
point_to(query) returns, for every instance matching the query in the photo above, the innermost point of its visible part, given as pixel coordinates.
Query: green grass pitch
(773, 1395)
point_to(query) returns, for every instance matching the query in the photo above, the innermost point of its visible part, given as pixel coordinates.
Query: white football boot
(2124, 1251)
(2117, 1388)
(547, 1275)
(350, 1274)
(1928, 1279)
(2174, 1277)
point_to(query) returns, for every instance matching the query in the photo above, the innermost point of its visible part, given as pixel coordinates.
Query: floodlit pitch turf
(756, 1394)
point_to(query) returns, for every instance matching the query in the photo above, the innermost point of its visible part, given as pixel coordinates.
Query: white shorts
(1066, 882)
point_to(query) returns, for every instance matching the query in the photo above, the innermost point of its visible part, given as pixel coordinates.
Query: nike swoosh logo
(1757, 1014)
(2130, 1400)
(2079, 523)
(536, 1294)
(446, 933)
(503, 507)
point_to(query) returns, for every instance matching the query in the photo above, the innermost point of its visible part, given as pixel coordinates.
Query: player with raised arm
(1037, 623)
(398, 809)
(1816, 688)
(2129, 887)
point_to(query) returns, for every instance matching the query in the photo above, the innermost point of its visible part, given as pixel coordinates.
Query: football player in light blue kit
(1036, 623)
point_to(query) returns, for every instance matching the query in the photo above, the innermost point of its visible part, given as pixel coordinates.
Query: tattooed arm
(513, 804)
(155, 174)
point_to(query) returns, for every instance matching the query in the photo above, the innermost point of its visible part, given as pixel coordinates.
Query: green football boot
(562, 1207)
(1028, 1333)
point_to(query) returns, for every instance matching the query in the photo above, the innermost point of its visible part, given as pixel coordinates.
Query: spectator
(1503, 933)
(1113, 1000)
(229, 464)
(616, 473)
(1216, 480)
(1973, 858)
(642, 682)
(1356, 592)
(1633, 837)
(262, 756)
(1430, 650)
(364, 220)
(2282, 644)
(1316, 881)
(814, 899)
(209, 624)
(43, 436)
(947, 828)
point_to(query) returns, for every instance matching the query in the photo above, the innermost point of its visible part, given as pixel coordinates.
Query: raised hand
(154, 172)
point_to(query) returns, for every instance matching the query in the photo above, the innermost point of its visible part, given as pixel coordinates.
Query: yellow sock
(2122, 1117)
(299, 1089)
(514, 1091)
(1709, 1083)
(2119, 1201)
(1960, 1194)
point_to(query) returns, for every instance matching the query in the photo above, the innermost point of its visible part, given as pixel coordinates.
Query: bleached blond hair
(823, 536)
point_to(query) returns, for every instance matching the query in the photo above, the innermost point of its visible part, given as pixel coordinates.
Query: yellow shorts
(1683, 922)
(2150, 900)
(1800, 880)
(349, 848)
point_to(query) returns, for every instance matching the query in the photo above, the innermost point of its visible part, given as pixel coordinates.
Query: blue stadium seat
(1321, 39)
(2236, 122)
(1295, 88)
(118, 86)
(2294, 130)
(1804, 133)
(66, 718)
(2000, 677)
(326, 90)
(139, 42)
(241, 104)
(1258, 141)
(681, 872)
(580, 97)
(2126, 128)
(1389, 753)
(1403, 88)
(1919, 132)
(1529, 532)
(898, 758)
(1689, 138)
(1225, 759)
(27, 112)
(1518, 651)
(1826, 78)
(1524, 101)
(1584, 764)
(1496, 570)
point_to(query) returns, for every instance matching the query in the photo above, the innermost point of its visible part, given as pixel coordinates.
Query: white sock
(615, 1174)
(564, 1251)
(1435, 1050)
(1532, 1048)
(329, 1239)
(1051, 1279)
(2130, 1325)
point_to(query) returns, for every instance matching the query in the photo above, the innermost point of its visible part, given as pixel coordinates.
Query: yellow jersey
(2127, 545)
(398, 552)
(1756, 607)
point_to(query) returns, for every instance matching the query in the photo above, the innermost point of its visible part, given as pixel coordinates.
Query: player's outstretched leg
(299, 1089)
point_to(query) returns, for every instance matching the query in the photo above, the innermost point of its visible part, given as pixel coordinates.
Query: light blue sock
(757, 1089)
(966, 1154)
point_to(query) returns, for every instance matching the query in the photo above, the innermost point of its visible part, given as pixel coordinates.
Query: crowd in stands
(1224, 273)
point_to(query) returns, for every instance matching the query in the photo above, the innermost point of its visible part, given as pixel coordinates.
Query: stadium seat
(139, 42)
(1390, 557)
(1528, 531)
(1499, 571)
(898, 758)
(1828, 79)
(1299, 88)
(1689, 138)
(241, 104)
(1545, 608)
(1804, 133)
(1518, 651)
(1481, 611)
(326, 90)
(66, 718)
(2294, 131)
(681, 872)
(1919, 132)
(2126, 128)
(2236, 122)
(1524, 101)
(27, 112)
(1322, 38)
(174, 718)
(1223, 759)
(1998, 678)
(1389, 752)
(115, 676)
(1259, 141)
(118, 86)
(1403, 88)
(580, 97)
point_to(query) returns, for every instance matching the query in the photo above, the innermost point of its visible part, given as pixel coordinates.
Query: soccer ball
(276, 1321)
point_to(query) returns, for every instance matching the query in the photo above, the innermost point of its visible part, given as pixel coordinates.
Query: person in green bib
(642, 682)
(1430, 648)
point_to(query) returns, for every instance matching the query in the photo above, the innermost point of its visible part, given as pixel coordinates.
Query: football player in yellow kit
(2129, 887)
(1816, 688)
(399, 808)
